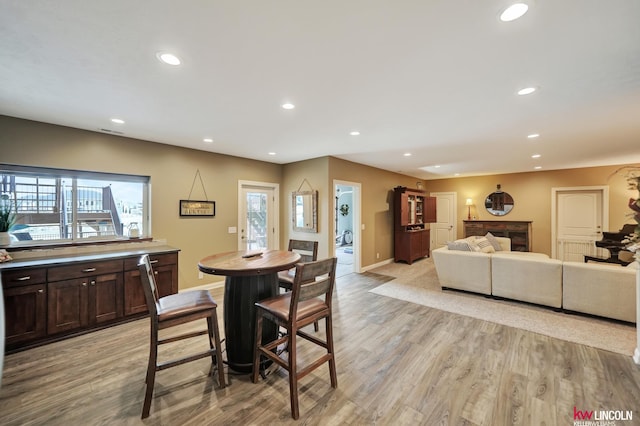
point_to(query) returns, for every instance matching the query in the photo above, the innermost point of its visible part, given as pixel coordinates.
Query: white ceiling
(433, 78)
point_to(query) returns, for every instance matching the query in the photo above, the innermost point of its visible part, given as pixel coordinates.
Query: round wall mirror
(498, 203)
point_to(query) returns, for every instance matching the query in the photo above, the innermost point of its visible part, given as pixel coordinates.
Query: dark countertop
(88, 257)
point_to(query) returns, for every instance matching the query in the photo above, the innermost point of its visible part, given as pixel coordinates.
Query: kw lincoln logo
(601, 417)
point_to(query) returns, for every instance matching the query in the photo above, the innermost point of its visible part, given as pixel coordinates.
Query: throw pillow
(483, 245)
(494, 242)
(458, 245)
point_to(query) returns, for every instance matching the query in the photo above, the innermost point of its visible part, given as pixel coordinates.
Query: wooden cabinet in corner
(413, 210)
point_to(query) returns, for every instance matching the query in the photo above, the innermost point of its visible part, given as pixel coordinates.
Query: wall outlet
(377, 255)
(232, 229)
(200, 275)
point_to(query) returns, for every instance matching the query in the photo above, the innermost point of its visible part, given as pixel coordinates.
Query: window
(56, 205)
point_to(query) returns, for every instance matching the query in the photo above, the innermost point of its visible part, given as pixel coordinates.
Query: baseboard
(209, 286)
(376, 265)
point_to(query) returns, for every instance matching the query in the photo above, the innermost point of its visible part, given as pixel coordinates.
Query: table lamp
(469, 203)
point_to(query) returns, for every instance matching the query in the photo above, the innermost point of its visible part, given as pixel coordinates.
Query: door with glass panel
(257, 213)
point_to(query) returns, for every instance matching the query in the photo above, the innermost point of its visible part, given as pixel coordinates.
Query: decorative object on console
(7, 219)
(499, 203)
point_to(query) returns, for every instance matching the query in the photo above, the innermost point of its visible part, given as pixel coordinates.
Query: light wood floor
(398, 363)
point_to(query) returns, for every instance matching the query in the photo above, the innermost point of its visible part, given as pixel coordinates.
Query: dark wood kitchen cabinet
(68, 296)
(25, 301)
(91, 294)
(165, 268)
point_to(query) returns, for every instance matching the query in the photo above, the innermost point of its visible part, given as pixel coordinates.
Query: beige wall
(293, 179)
(172, 171)
(377, 205)
(532, 196)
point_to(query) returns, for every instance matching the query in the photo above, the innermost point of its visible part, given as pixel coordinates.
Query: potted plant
(7, 219)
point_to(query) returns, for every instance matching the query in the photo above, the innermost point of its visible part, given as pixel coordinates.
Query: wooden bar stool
(308, 301)
(173, 310)
(308, 251)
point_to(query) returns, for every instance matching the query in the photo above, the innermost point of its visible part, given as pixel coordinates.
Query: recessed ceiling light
(533, 135)
(354, 133)
(537, 167)
(272, 153)
(117, 120)
(407, 154)
(288, 106)
(207, 140)
(168, 58)
(536, 156)
(457, 174)
(513, 12)
(526, 91)
(437, 166)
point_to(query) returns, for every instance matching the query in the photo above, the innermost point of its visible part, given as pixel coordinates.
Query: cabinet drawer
(19, 277)
(84, 269)
(131, 263)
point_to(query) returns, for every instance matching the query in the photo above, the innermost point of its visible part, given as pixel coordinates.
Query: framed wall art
(197, 208)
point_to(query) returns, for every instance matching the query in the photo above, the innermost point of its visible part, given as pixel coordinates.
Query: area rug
(418, 283)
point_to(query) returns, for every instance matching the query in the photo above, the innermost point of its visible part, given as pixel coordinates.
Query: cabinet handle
(89, 270)
(28, 277)
(84, 284)
(40, 290)
(153, 261)
(93, 283)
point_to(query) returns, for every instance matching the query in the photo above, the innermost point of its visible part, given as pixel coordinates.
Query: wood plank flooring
(398, 364)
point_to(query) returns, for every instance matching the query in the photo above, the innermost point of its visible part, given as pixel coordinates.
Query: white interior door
(445, 227)
(579, 223)
(257, 213)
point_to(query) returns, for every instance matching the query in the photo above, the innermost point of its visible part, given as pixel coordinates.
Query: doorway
(257, 212)
(445, 227)
(579, 216)
(347, 226)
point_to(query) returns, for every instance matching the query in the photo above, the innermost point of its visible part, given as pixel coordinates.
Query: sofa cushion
(463, 270)
(494, 242)
(530, 279)
(599, 289)
(482, 245)
(459, 245)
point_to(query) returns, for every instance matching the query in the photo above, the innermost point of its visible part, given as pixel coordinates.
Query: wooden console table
(518, 231)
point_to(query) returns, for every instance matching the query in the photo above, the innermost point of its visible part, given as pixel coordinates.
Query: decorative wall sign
(197, 208)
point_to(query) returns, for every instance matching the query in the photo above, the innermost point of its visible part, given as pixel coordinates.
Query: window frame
(75, 174)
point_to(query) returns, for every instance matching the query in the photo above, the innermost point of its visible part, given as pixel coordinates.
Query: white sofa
(600, 289)
(592, 288)
(466, 270)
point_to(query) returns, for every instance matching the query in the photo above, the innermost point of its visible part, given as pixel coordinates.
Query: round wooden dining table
(250, 276)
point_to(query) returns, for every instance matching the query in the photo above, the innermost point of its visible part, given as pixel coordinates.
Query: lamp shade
(469, 202)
